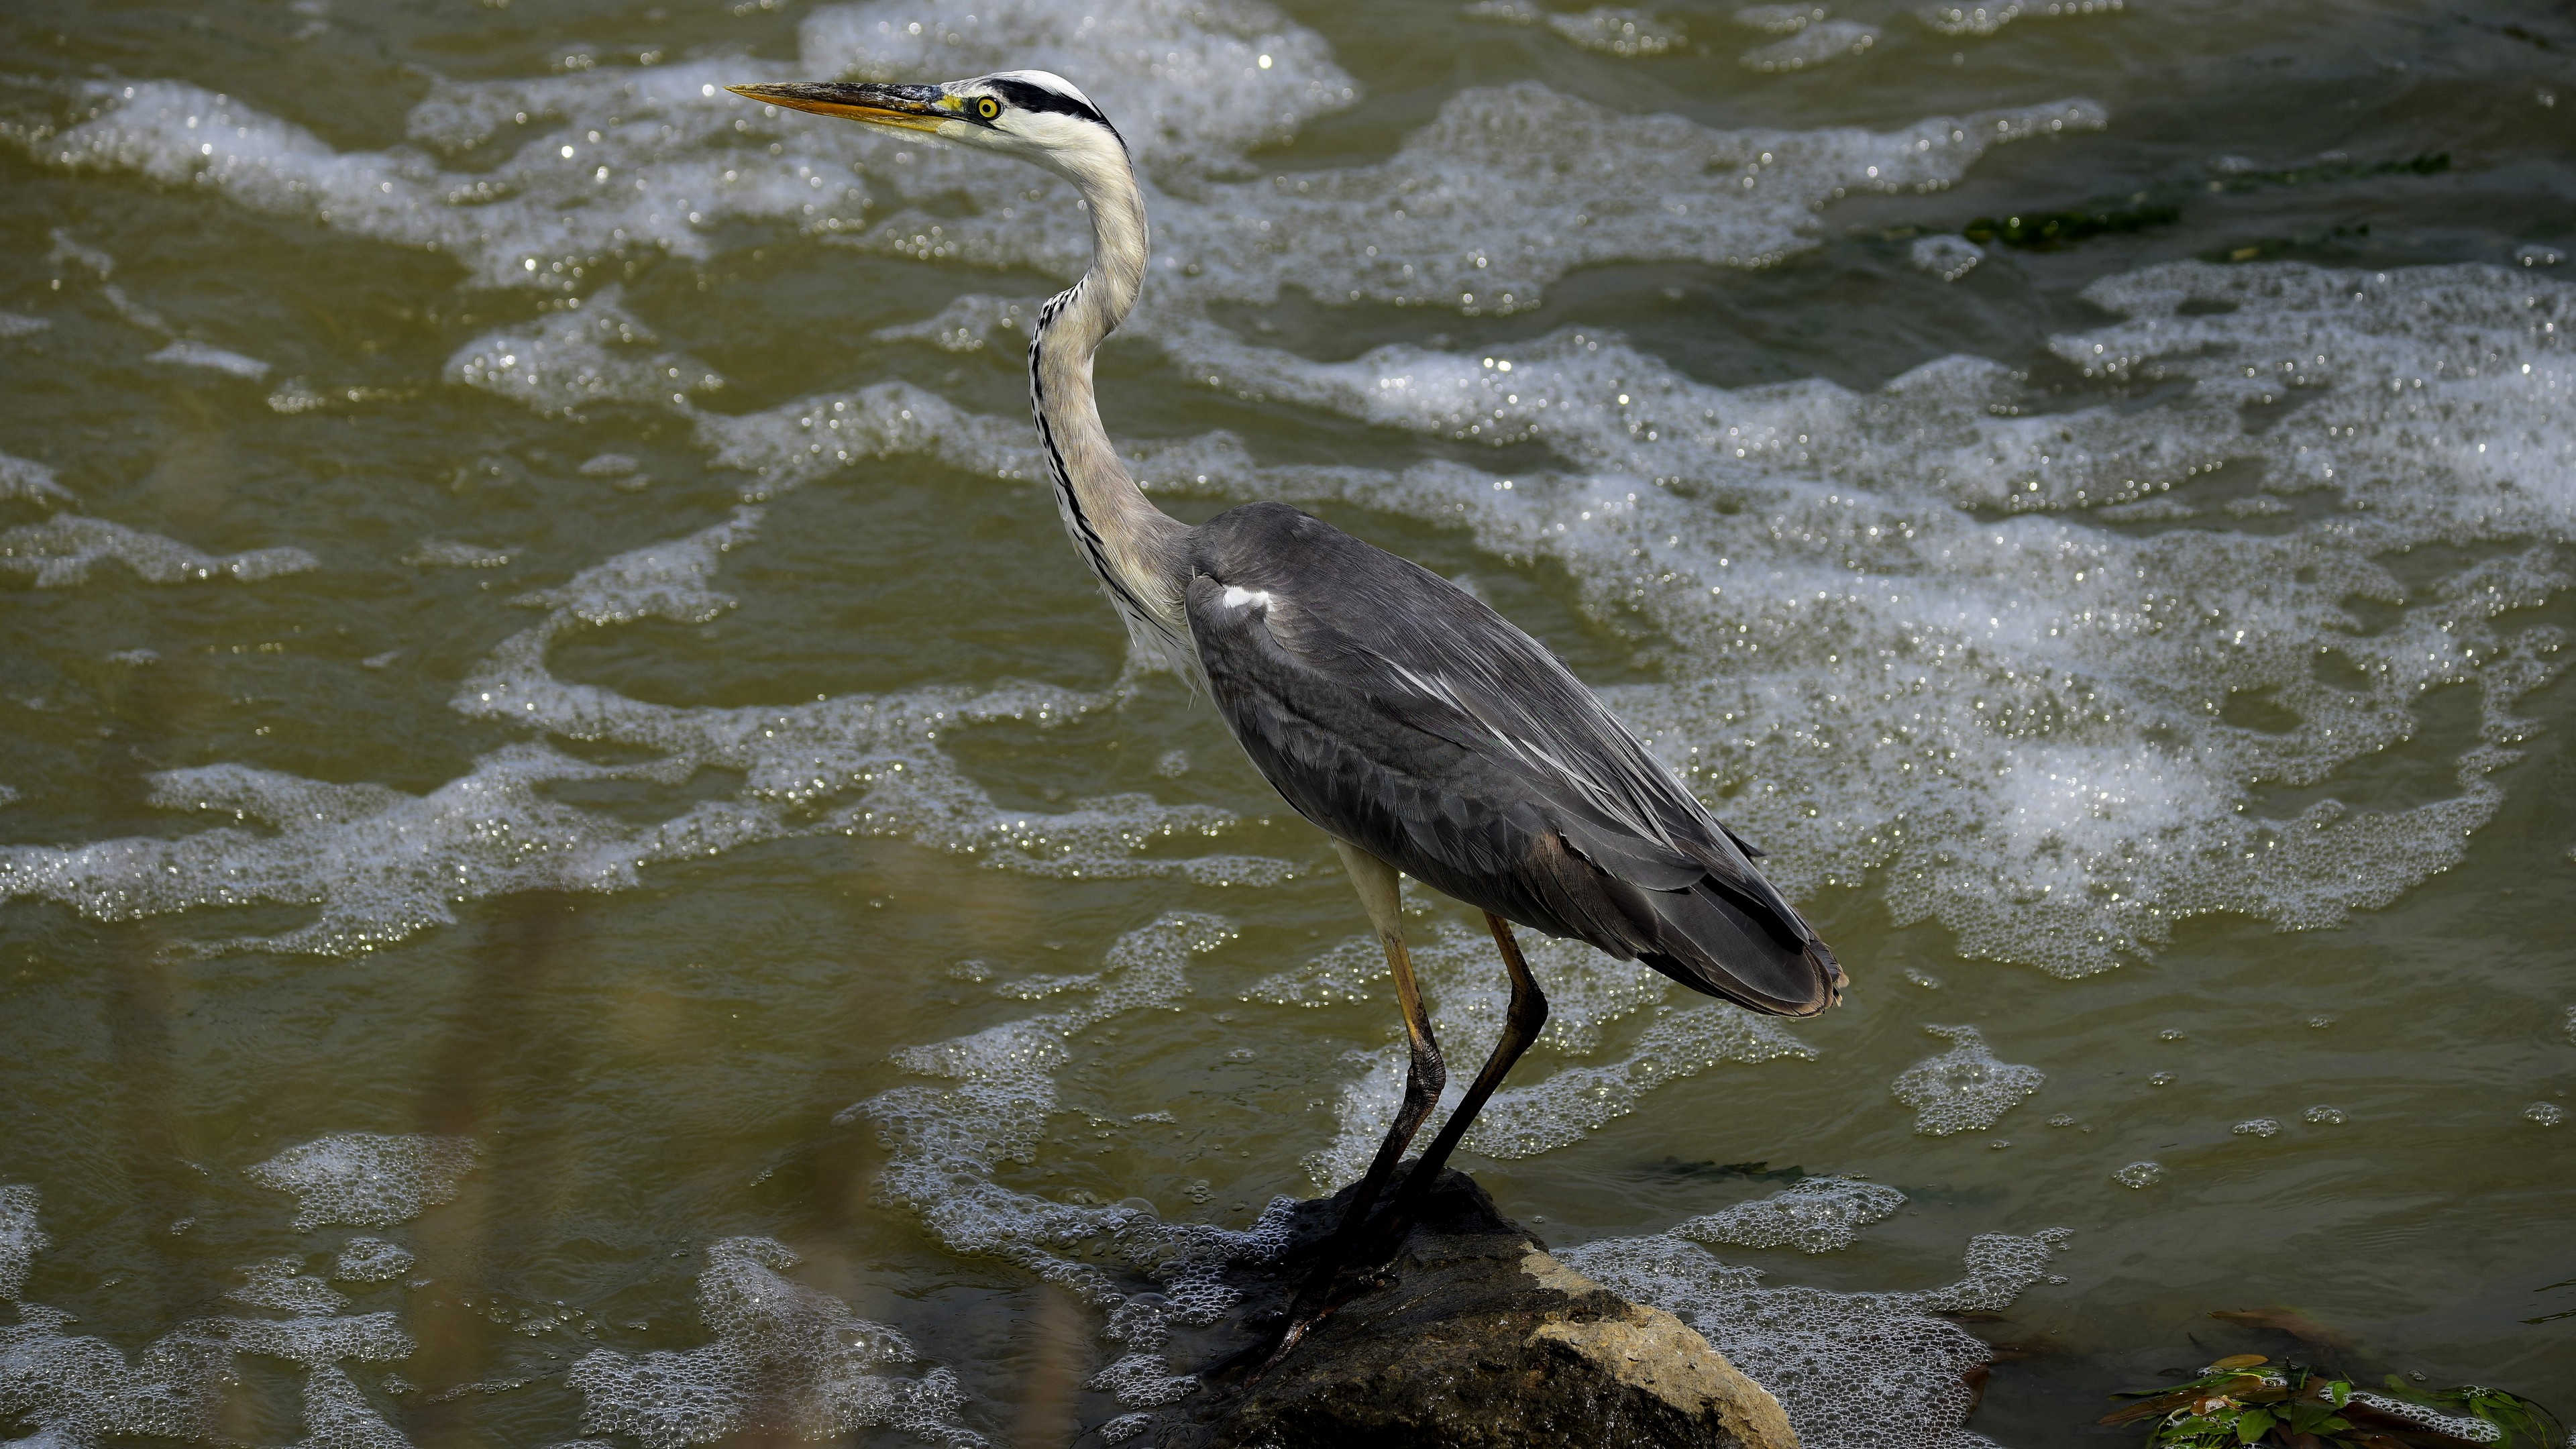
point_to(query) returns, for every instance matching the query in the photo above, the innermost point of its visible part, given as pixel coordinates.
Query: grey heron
(1419, 729)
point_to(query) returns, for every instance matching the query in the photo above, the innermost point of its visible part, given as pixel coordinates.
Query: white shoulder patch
(1236, 598)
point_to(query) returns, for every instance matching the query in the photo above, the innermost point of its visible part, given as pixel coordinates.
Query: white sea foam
(1779, 19)
(283, 1284)
(211, 359)
(369, 1179)
(58, 554)
(590, 350)
(29, 481)
(1965, 1088)
(75, 1391)
(786, 1359)
(379, 864)
(371, 1260)
(1818, 1215)
(1611, 29)
(20, 1239)
(1947, 257)
(448, 553)
(985, 1106)
(1813, 45)
(1853, 1370)
(1971, 19)
(19, 324)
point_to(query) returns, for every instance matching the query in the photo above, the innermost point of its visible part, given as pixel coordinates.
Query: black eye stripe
(1038, 98)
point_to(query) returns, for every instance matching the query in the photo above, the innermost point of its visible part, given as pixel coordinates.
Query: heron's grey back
(1399, 713)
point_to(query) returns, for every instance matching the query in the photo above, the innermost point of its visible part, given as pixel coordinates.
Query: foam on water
(1818, 1215)
(1946, 257)
(1610, 29)
(210, 359)
(986, 1105)
(58, 553)
(282, 1283)
(1812, 45)
(591, 350)
(26, 480)
(19, 324)
(448, 553)
(1964, 1088)
(75, 1391)
(1988, 18)
(371, 1260)
(379, 865)
(368, 1179)
(1853, 1370)
(20, 1239)
(1779, 19)
(614, 161)
(786, 1360)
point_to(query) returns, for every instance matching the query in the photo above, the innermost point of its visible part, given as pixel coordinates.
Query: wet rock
(1471, 1338)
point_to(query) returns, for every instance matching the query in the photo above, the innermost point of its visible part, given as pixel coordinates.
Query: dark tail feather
(1712, 944)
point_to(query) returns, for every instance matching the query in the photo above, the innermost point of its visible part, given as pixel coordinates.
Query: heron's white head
(1031, 114)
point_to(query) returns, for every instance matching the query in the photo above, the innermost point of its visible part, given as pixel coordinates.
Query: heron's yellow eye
(988, 108)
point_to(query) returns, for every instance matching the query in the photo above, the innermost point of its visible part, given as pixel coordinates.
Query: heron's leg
(1521, 1024)
(1424, 1076)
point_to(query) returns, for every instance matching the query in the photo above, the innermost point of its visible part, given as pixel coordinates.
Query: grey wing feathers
(1399, 713)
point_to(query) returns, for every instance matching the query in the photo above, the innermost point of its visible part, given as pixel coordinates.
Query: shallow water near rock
(578, 856)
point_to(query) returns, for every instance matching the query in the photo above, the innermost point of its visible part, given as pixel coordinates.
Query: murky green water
(528, 620)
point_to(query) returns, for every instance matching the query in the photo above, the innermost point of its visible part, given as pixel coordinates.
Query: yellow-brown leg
(1424, 1076)
(1522, 1022)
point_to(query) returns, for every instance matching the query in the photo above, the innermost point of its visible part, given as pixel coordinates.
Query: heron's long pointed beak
(912, 108)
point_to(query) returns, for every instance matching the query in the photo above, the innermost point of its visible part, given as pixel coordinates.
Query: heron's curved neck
(1135, 548)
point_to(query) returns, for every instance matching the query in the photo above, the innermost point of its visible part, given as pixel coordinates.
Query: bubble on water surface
(379, 864)
(1946, 257)
(786, 1359)
(338, 1416)
(594, 351)
(1610, 29)
(2326, 1116)
(27, 480)
(368, 1179)
(550, 209)
(2257, 1127)
(1818, 1215)
(210, 359)
(282, 1283)
(58, 553)
(2140, 1174)
(1779, 19)
(2547, 1114)
(371, 1260)
(1813, 45)
(20, 1239)
(1965, 1088)
(75, 1391)
(1855, 1370)
(447, 553)
(1970, 19)
(966, 323)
